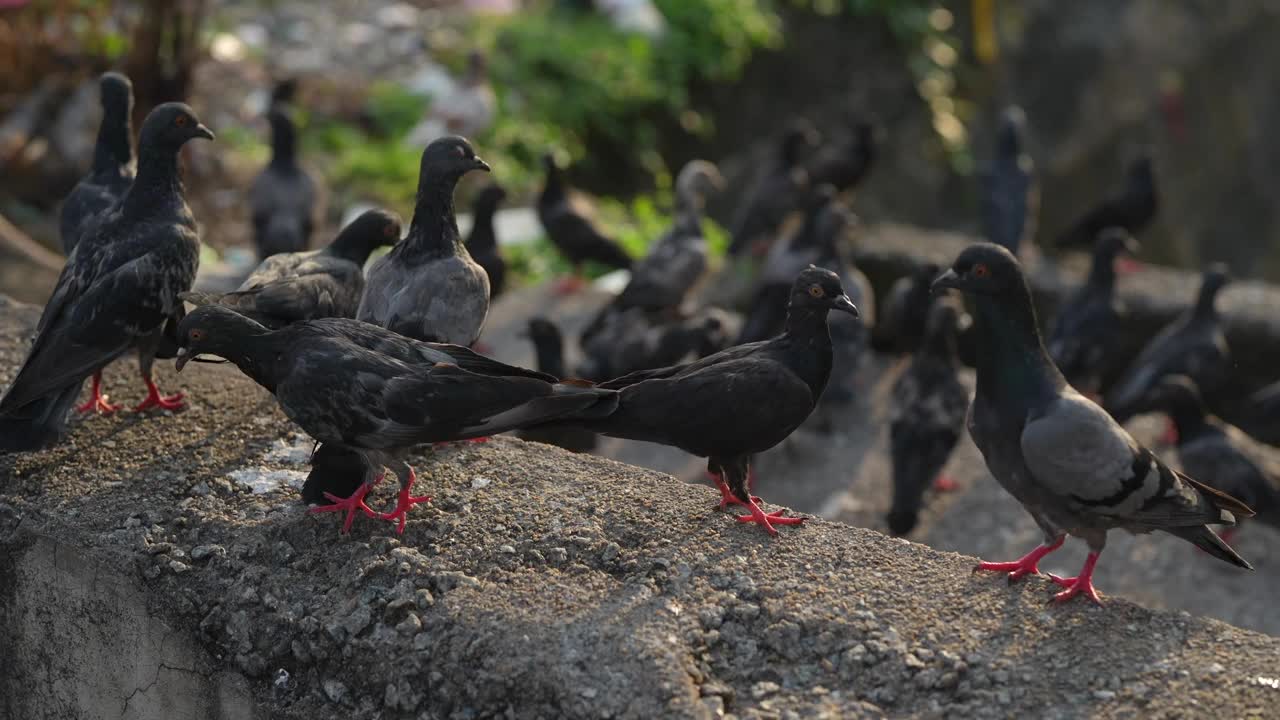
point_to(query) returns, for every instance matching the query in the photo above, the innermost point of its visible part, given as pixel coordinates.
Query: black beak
(204, 132)
(845, 305)
(948, 279)
(480, 164)
(183, 356)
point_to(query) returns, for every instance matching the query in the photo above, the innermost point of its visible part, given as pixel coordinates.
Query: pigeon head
(984, 269)
(116, 94)
(216, 330)
(170, 125)
(489, 197)
(541, 328)
(451, 157)
(698, 179)
(800, 139)
(1114, 241)
(818, 289)
(548, 345)
(370, 230)
(1214, 278)
(1142, 173)
(1013, 123)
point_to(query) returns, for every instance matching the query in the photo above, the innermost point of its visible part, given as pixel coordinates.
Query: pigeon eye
(390, 231)
(196, 335)
(980, 271)
(816, 291)
(180, 121)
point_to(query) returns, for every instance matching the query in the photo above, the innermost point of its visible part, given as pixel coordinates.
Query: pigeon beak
(183, 356)
(844, 305)
(204, 132)
(948, 279)
(481, 165)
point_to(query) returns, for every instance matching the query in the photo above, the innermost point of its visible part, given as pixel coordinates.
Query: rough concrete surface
(537, 584)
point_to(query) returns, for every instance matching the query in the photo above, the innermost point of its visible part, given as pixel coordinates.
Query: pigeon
(428, 287)
(738, 402)
(901, 325)
(569, 228)
(113, 162)
(1192, 345)
(548, 345)
(1132, 208)
(482, 242)
(633, 340)
(361, 388)
(927, 416)
(291, 287)
(1089, 330)
(1074, 468)
(778, 192)
(283, 197)
(678, 260)
(1215, 450)
(845, 164)
(1260, 416)
(1010, 193)
(118, 290)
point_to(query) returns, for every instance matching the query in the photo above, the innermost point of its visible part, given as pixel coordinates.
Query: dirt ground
(543, 584)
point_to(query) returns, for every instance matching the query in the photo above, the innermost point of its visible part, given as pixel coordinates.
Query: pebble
(1104, 694)
(334, 690)
(177, 567)
(203, 552)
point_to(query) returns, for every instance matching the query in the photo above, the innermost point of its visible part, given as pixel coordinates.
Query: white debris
(262, 480)
(294, 451)
(479, 482)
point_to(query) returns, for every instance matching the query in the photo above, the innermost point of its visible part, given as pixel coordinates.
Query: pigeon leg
(1128, 266)
(768, 520)
(572, 283)
(1028, 564)
(349, 504)
(944, 483)
(97, 401)
(726, 497)
(404, 501)
(1170, 435)
(1081, 584)
(155, 399)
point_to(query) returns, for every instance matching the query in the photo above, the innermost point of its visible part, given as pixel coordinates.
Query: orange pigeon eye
(816, 291)
(980, 271)
(180, 121)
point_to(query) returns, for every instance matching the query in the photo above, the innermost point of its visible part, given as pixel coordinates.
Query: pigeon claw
(156, 400)
(404, 502)
(1081, 584)
(97, 404)
(768, 520)
(349, 504)
(1028, 564)
(727, 498)
(945, 483)
(569, 284)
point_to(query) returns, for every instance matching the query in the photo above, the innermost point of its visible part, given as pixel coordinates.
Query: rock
(334, 690)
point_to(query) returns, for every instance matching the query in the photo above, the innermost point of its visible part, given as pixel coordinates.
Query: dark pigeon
(633, 340)
(1074, 468)
(571, 230)
(349, 385)
(428, 287)
(1089, 333)
(283, 197)
(291, 287)
(1010, 193)
(906, 309)
(548, 346)
(777, 193)
(1192, 345)
(118, 291)
(927, 416)
(482, 241)
(1216, 451)
(1132, 208)
(113, 162)
(742, 401)
(845, 163)
(1260, 416)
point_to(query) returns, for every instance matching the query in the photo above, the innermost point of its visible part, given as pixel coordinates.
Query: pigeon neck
(158, 185)
(351, 246)
(550, 355)
(553, 189)
(482, 236)
(940, 344)
(1102, 273)
(807, 332)
(284, 151)
(433, 232)
(1206, 304)
(688, 216)
(1011, 359)
(114, 149)
(1189, 417)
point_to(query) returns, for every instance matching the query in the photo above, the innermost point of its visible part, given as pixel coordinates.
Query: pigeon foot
(945, 483)
(97, 402)
(349, 504)
(727, 497)
(768, 520)
(1128, 266)
(1170, 434)
(569, 284)
(1081, 584)
(1028, 564)
(164, 402)
(404, 502)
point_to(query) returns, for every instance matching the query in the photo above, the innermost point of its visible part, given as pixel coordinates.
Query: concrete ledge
(141, 580)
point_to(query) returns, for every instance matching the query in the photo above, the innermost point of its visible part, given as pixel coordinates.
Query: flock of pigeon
(374, 364)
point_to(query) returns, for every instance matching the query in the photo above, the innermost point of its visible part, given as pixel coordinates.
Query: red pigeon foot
(726, 496)
(404, 501)
(1081, 584)
(569, 284)
(768, 520)
(155, 399)
(482, 348)
(945, 483)
(1028, 564)
(350, 505)
(1128, 266)
(1170, 434)
(97, 401)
